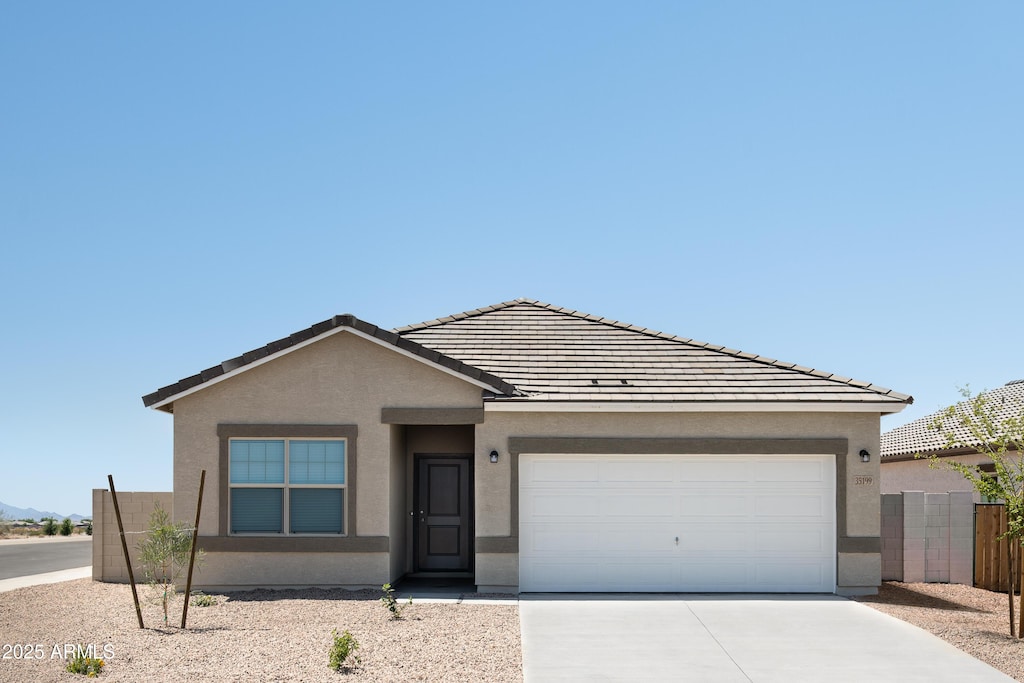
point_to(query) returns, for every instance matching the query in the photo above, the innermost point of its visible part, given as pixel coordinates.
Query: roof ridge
(829, 376)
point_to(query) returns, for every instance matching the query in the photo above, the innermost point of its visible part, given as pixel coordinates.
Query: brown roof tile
(553, 353)
(917, 437)
(532, 351)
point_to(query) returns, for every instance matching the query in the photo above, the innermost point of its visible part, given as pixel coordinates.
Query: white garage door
(687, 523)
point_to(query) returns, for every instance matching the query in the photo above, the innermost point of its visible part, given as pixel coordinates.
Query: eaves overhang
(534, 406)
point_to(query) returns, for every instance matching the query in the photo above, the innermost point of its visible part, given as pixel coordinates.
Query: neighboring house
(901, 471)
(532, 448)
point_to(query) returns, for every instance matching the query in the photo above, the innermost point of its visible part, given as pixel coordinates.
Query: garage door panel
(712, 470)
(632, 470)
(789, 576)
(794, 505)
(630, 577)
(789, 471)
(562, 471)
(641, 505)
(792, 542)
(701, 505)
(715, 576)
(563, 506)
(562, 576)
(715, 541)
(677, 523)
(558, 541)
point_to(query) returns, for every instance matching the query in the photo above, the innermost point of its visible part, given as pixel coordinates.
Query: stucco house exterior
(532, 448)
(901, 471)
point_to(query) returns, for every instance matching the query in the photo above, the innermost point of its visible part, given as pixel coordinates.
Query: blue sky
(833, 184)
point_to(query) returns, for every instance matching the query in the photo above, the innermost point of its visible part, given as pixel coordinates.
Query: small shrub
(390, 602)
(342, 652)
(201, 599)
(50, 526)
(82, 663)
(66, 527)
(164, 554)
(88, 527)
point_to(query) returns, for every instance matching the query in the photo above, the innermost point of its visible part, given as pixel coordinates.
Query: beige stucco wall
(346, 380)
(341, 379)
(862, 514)
(917, 475)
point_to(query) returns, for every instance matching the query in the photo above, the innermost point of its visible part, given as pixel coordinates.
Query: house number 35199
(862, 480)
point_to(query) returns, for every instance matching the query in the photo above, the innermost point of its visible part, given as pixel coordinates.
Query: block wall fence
(107, 556)
(928, 537)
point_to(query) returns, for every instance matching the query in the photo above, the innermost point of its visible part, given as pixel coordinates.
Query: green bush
(201, 599)
(50, 526)
(82, 663)
(66, 527)
(391, 603)
(88, 527)
(342, 652)
(164, 554)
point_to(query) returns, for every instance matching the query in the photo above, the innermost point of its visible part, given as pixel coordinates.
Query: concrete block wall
(107, 556)
(928, 537)
(892, 537)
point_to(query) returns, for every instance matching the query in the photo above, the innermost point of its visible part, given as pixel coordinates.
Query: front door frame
(468, 517)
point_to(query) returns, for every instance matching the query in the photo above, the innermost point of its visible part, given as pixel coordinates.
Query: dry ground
(972, 619)
(285, 635)
(259, 635)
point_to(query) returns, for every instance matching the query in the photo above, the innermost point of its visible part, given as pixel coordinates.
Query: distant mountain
(31, 513)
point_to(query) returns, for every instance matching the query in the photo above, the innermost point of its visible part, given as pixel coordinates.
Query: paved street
(19, 558)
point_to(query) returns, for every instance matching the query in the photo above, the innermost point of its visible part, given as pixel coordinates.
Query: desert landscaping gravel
(255, 636)
(972, 619)
(285, 635)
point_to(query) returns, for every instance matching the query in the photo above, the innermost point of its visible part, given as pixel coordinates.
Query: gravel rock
(972, 619)
(254, 636)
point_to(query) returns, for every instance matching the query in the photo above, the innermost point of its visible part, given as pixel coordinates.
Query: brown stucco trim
(855, 544)
(497, 544)
(432, 416)
(294, 544)
(257, 431)
(518, 445)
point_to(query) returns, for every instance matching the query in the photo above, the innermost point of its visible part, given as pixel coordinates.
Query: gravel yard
(972, 619)
(259, 635)
(285, 635)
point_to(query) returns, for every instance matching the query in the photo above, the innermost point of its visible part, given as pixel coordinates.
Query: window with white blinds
(287, 486)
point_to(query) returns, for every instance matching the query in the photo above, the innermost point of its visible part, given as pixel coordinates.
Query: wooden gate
(990, 570)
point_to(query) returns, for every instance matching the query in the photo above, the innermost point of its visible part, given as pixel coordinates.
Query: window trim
(286, 486)
(348, 433)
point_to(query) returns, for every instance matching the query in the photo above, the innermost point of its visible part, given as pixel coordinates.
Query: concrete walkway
(742, 639)
(48, 577)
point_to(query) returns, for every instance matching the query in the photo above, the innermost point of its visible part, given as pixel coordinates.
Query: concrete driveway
(731, 638)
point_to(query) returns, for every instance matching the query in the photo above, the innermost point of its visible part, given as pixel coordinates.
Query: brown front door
(443, 512)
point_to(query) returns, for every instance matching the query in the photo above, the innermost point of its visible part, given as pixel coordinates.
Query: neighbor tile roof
(525, 350)
(915, 437)
(556, 354)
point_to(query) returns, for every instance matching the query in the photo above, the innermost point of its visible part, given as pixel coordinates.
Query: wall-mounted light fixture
(494, 456)
(864, 455)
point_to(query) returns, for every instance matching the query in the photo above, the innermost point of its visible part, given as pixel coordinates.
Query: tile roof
(338, 321)
(916, 437)
(525, 350)
(556, 354)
